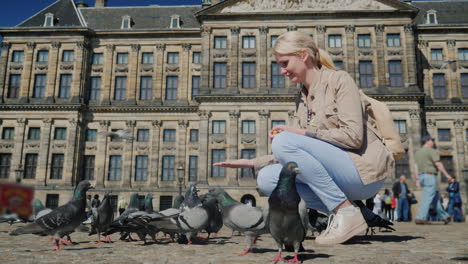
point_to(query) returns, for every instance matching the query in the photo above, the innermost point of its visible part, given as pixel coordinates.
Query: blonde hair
(295, 42)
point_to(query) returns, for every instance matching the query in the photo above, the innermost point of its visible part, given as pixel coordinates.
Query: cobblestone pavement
(411, 243)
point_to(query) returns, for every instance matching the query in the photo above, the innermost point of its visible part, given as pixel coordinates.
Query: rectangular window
(448, 165)
(143, 135)
(90, 135)
(248, 42)
(334, 41)
(247, 154)
(34, 133)
(195, 86)
(436, 55)
(248, 74)
(115, 167)
(57, 166)
(88, 173)
(277, 79)
(14, 86)
(338, 65)
(65, 85)
(95, 91)
(120, 87)
(39, 86)
(193, 168)
(5, 164)
(443, 134)
(464, 84)
(400, 126)
(168, 168)
(219, 76)
(402, 167)
(18, 56)
(165, 202)
(219, 127)
(248, 127)
(122, 58)
(196, 58)
(52, 201)
(43, 56)
(113, 202)
(394, 69)
(147, 58)
(220, 42)
(30, 166)
(217, 155)
(431, 18)
(98, 59)
(277, 122)
(172, 82)
(68, 56)
(8, 133)
(173, 58)
(60, 133)
(169, 135)
(438, 80)
(273, 40)
(365, 74)
(193, 135)
(463, 54)
(393, 40)
(364, 41)
(141, 168)
(146, 85)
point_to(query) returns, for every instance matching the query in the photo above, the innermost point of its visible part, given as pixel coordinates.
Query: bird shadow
(364, 240)
(85, 248)
(304, 257)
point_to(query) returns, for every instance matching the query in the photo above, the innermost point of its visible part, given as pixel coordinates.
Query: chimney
(81, 4)
(100, 3)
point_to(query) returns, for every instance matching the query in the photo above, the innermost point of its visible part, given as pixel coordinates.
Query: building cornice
(446, 108)
(41, 107)
(397, 97)
(225, 98)
(143, 109)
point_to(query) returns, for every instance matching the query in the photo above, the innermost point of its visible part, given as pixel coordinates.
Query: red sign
(16, 198)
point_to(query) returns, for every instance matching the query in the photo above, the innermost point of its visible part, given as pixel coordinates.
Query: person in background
(88, 205)
(401, 192)
(455, 201)
(95, 202)
(392, 208)
(377, 205)
(427, 165)
(445, 202)
(122, 205)
(387, 204)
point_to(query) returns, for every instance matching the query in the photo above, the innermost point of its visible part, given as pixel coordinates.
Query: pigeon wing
(246, 217)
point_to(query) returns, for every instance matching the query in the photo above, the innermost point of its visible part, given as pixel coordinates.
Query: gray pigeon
(142, 232)
(11, 218)
(119, 224)
(39, 209)
(285, 222)
(61, 221)
(252, 221)
(178, 201)
(102, 218)
(372, 219)
(119, 134)
(191, 199)
(216, 217)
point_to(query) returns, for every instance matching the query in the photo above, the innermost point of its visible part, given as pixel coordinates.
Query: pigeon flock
(285, 217)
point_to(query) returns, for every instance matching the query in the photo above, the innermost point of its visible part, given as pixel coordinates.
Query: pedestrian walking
(122, 205)
(401, 192)
(455, 201)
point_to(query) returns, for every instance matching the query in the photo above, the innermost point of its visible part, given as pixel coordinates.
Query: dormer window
(175, 21)
(49, 20)
(126, 22)
(431, 17)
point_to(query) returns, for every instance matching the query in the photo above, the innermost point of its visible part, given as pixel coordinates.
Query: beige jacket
(338, 115)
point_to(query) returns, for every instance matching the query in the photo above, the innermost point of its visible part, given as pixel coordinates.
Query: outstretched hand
(242, 163)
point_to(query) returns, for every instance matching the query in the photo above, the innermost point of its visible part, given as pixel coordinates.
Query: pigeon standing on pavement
(119, 134)
(285, 222)
(61, 221)
(252, 221)
(102, 217)
(216, 218)
(119, 224)
(372, 219)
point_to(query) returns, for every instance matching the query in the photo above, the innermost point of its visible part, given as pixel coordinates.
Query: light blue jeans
(429, 186)
(328, 175)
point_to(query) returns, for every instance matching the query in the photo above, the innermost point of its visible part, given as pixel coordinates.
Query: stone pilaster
(133, 62)
(205, 67)
(185, 82)
(101, 160)
(203, 141)
(5, 50)
(452, 76)
(262, 133)
(17, 156)
(43, 163)
(410, 54)
(70, 158)
(81, 52)
(128, 173)
(154, 158)
(351, 51)
(106, 82)
(263, 58)
(290, 117)
(459, 125)
(159, 73)
(232, 152)
(182, 148)
(320, 38)
(52, 72)
(26, 78)
(381, 65)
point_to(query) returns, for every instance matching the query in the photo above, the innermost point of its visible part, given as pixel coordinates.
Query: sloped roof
(143, 17)
(65, 15)
(448, 12)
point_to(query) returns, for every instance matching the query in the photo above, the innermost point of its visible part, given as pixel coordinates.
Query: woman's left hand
(281, 128)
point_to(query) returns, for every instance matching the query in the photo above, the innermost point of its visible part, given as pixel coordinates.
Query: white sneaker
(343, 225)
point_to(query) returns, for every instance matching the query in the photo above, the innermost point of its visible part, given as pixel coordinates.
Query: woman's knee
(282, 142)
(268, 178)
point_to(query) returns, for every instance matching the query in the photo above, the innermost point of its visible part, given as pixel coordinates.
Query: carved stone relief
(172, 68)
(147, 68)
(16, 67)
(7, 146)
(161, 47)
(97, 69)
(218, 139)
(66, 67)
(415, 114)
(115, 146)
(431, 123)
(121, 68)
(249, 54)
(32, 145)
(220, 55)
(248, 138)
(395, 52)
(42, 67)
(362, 52)
(59, 146)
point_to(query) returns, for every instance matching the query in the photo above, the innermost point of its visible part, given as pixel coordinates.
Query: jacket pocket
(331, 115)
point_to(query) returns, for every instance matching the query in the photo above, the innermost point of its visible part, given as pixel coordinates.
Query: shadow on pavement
(380, 238)
(304, 257)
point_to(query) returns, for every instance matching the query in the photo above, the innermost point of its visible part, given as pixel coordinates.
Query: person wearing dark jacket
(401, 192)
(455, 202)
(95, 202)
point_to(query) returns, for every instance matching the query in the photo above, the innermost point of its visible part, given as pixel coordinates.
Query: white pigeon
(120, 134)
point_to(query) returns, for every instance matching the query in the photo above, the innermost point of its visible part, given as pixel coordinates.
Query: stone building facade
(198, 84)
